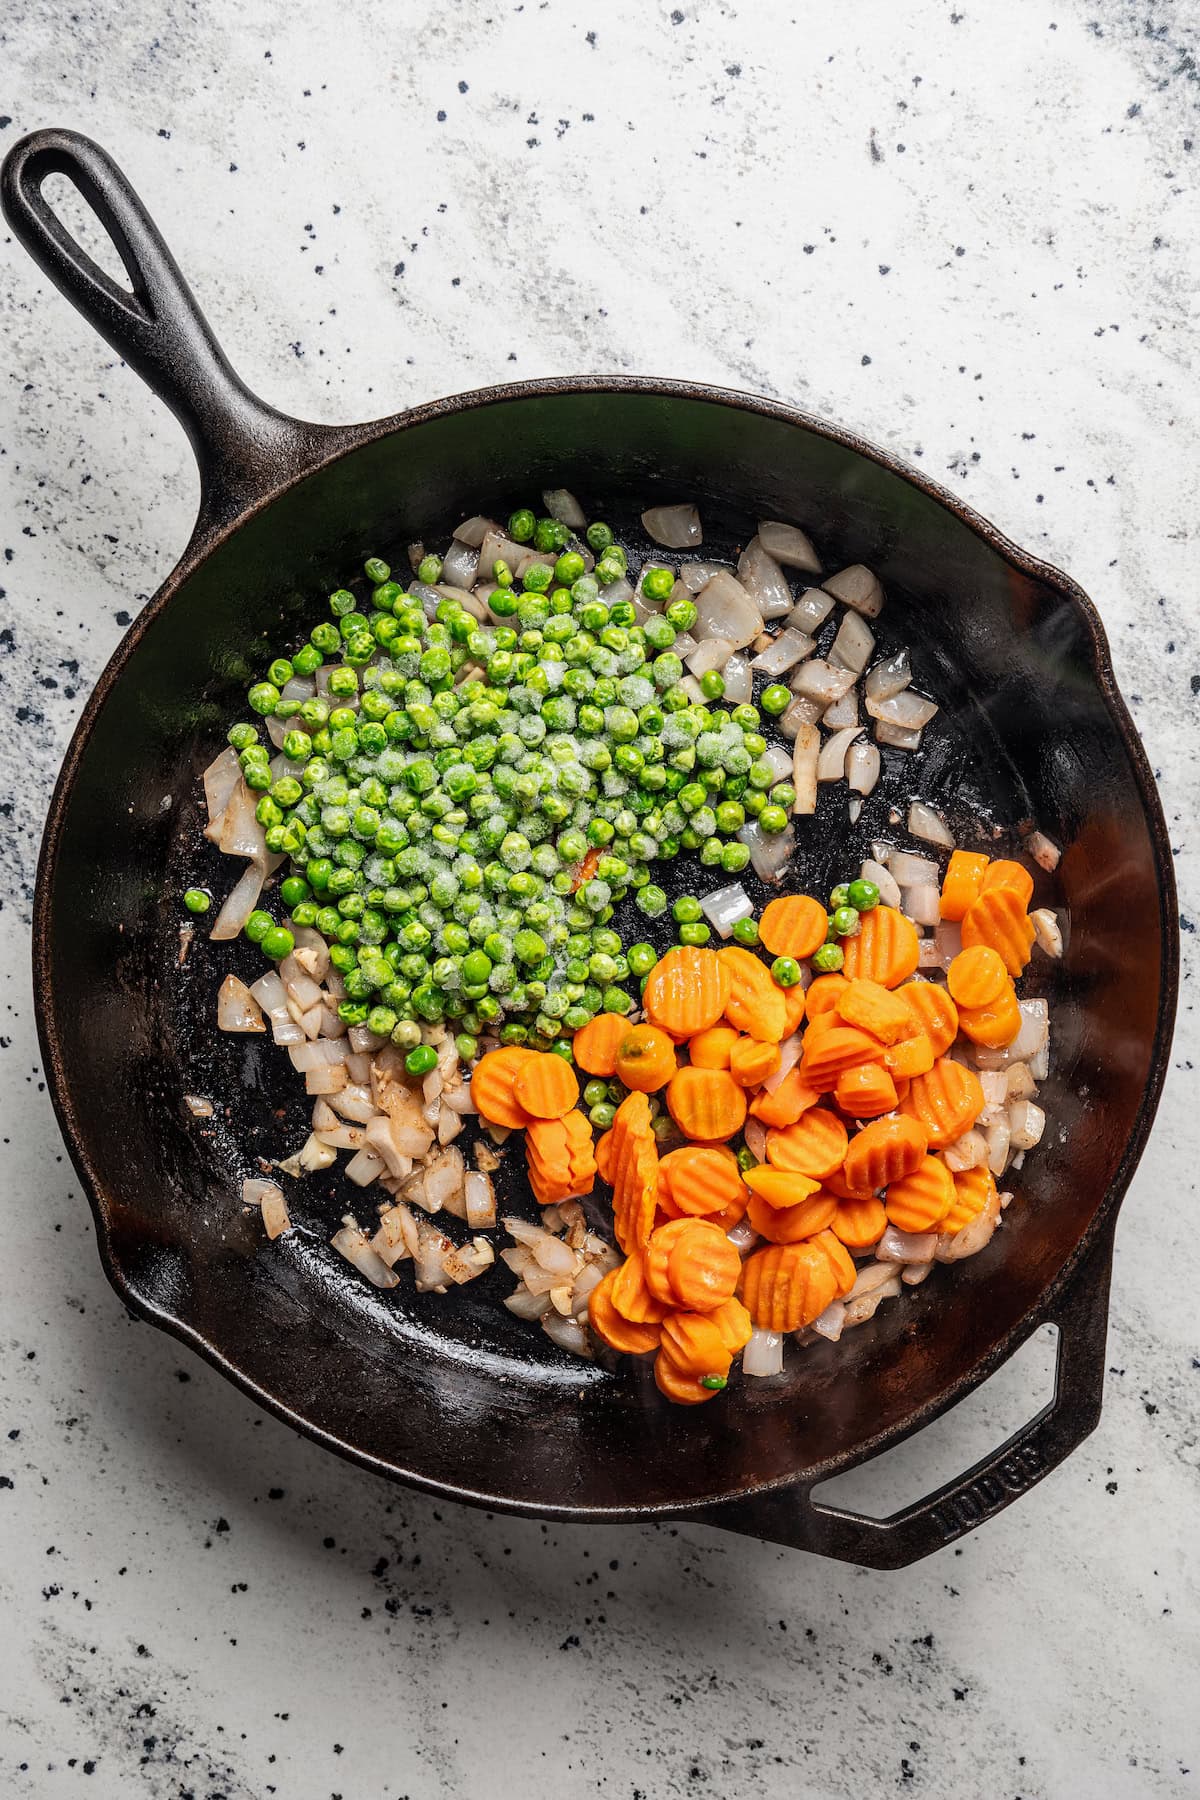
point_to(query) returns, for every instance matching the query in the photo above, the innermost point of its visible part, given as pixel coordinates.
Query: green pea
(681, 614)
(828, 959)
(657, 584)
(257, 926)
(263, 697)
(602, 1115)
(772, 819)
(196, 900)
(694, 934)
(293, 891)
(745, 931)
(775, 699)
(712, 684)
(863, 895)
(846, 921)
(599, 537)
(687, 909)
(421, 1060)
(521, 525)
(840, 896)
(786, 971)
(642, 958)
(734, 858)
(278, 942)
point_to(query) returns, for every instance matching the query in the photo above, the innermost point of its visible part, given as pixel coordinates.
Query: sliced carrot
(996, 1025)
(755, 1004)
(865, 1091)
(711, 1049)
(840, 1260)
(546, 1086)
(787, 1286)
(547, 1155)
(814, 1145)
(789, 1100)
(674, 1385)
(733, 1214)
(973, 1189)
(617, 1331)
(734, 1324)
(920, 1200)
(911, 1056)
(1013, 875)
(699, 1180)
(780, 1187)
(645, 1059)
(962, 882)
(946, 1101)
(859, 1223)
(791, 1224)
(977, 977)
(630, 1295)
(706, 1104)
(823, 995)
(687, 990)
(634, 1178)
(839, 1184)
(492, 1086)
(885, 1151)
(883, 949)
(834, 1049)
(794, 925)
(999, 920)
(935, 1013)
(750, 1062)
(595, 1046)
(795, 1007)
(691, 1263)
(875, 1010)
(604, 1155)
(581, 1153)
(695, 1345)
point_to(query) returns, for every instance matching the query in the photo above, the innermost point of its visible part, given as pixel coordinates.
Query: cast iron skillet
(452, 1394)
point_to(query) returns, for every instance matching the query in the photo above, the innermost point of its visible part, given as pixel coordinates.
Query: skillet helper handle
(793, 1517)
(245, 448)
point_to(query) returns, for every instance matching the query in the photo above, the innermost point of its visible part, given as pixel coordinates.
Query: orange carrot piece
(787, 1286)
(883, 949)
(795, 1007)
(823, 995)
(618, 1332)
(946, 1102)
(935, 1013)
(839, 1184)
(630, 1295)
(699, 1180)
(780, 1187)
(794, 925)
(750, 1062)
(885, 1151)
(734, 1324)
(604, 1156)
(791, 1224)
(581, 1153)
(920, 1200)
(836, 1048)
(977, 977)
(657, 1258)
(789, 1100)
(731, 1215)
(492, 1086)
(911, 1056)
(691, 1263)
(634, 1178)
(859, 1223)
(1005, 874)
(645, 1059)
(973, 1189)
(674, 1385)
(840, 1260)
(875, 1010)
(999, 920)
(547, 1156)
(687, 990)
(706, 1104)
(546, 1086)
(814, 1145)
(595, 1046)
(996, 1025)
(755, 1004)
(962, 882)
(711, 1049)
(695, 1345)
(865, 1091)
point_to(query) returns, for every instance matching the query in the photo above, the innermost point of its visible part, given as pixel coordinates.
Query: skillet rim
(321, 448)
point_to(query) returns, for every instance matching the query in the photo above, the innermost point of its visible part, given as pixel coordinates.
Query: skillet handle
(245, 448)
(791, 1516)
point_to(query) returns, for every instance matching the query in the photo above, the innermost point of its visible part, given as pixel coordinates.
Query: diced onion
(460, 565)
(788, 545)
(896, 736)
(239, 904)
(909, 869)
(789, 648)
(694, 575)
(764, 581)
(928, 825)
(725, 907)
(220, 779)
(712, 653)
(568, 1334)
(1026, 1123)
(831, 763)
(829, 1324)
(237, 1009)
(269, 1198)
(562, 505)
(801, 712)
(352, 1243)
(910, 711)
(1047, 930)
(472, 531)
(863, 763)
(770, 852)
(852, 647)
(677, 527)
(1044, 853)
(920, 904)
(857, 588)
(739, 683)
(811, 610)
(819, 680)
(843, 712)
(805, 757)
(763, 1354)
(724, 609)
(480, 1200)
(887, 678)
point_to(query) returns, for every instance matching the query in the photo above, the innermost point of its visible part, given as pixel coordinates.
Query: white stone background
(972, 236)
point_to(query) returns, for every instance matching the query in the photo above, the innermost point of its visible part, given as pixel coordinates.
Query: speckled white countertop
(968, 231)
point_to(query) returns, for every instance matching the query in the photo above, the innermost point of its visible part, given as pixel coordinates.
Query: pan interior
(453, 1390)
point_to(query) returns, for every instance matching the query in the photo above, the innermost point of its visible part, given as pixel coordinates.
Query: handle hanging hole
(75, 216)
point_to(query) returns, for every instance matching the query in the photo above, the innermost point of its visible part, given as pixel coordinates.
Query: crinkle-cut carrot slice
(755, 1004)
(830, 1051)
(993, 1026)
(962, 882)
(876, 1010)
(734, 1324)
(704, 1267)
(935, 1013)
(977, 977)
(548, 1158)
(823, 994)
(630, 1295)
(699, 1180)
(646, 1059)
(581, 1153)
(687, 990)
(840, 1260)
(973, 1189)
(885, 1151)
(946, 1101)
(999, 920)
(595, 1046)
(920, 1200)
(794, 925)
(695, 1345)
(780, 1187)
(674, 1385)
(1006, 874)
(787, 1286)
(711, 1049)
(706, 1104)
(634, 1178)
(883, 949)
(604, 1156)
(791, 1224)
(814, 1145)
(492, 1086)
(546, 1086)
(751, 1061)
(859, 1223)
(795, 1006)
(865, 1091)
(657, 1258)
(620, 1333)
(911, 1056)
(838, 1184)
(787, 1102)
